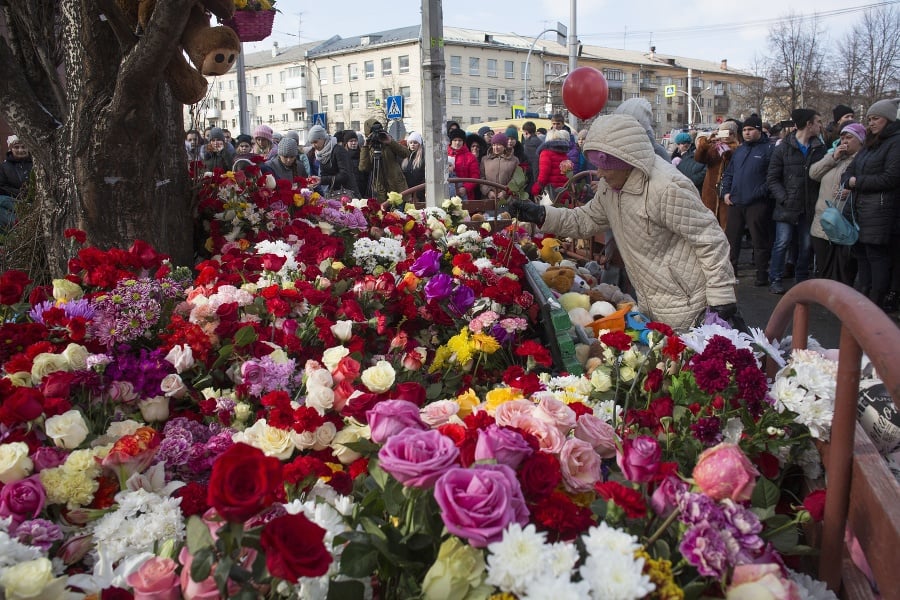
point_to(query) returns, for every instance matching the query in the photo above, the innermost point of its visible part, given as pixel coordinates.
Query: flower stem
(662, 528)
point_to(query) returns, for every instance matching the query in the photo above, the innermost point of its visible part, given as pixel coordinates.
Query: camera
(377, 135)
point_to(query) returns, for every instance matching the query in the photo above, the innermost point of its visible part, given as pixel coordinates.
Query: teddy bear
(559, 279)
(212, 50)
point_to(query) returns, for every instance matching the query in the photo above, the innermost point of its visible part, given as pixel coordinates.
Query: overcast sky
(708, 29)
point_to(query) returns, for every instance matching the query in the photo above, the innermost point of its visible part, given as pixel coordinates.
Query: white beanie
(415, 137)
(13, 139)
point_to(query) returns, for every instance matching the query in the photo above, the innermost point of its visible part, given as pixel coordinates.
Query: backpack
(837, 228)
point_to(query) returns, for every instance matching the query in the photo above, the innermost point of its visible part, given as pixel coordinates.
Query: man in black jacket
(747, 197)
(795, 194)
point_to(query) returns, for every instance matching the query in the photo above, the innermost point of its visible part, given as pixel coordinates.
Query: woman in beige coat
(498, 165)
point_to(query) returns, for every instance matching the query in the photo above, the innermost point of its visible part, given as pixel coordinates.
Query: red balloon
(584, 92)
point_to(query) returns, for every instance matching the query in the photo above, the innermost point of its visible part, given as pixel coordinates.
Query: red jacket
(466, 166)
(548, 172)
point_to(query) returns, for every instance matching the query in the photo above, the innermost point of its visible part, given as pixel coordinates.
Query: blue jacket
(745, 175)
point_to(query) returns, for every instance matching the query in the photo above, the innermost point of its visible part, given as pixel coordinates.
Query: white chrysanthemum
(603, 539)
(517, 560)
(614, 576)
(561, 588)
(142, 520)
(561, 558)
(696, 338)
(809, 588)
(732, 431)
(762, 342)
(608, 411)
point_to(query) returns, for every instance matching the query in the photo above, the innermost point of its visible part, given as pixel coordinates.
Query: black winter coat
(789, 182)
(338, 172)
(692, 169)
(13, 175)
(746, 173)
(876, 194)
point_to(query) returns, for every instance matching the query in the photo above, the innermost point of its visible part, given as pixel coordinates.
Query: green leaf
(244, 336)
(694, 590)
(198, 536)
(202, 565)
(358, 560)
(765, 494)
(782, 533)
(661, 550)
(379, 476)
(225, 353)
(363, 446)
(345, 590)
(220, 575)
(434, 391)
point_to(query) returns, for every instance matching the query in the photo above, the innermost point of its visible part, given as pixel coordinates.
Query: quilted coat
(877, 193)
(673, 248)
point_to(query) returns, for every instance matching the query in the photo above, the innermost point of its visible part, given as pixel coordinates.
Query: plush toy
(588, 277)
(572, 300)
(559, 279)
(212, 50)
(550, 251)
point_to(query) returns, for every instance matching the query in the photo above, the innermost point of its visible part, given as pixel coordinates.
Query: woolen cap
(288, 148)
(840, 110)
(753, 121)
(216, 133)
(484, 130)
(13, 139)
(293, 135)
(263, 131)
(500, 138)
(605, 161)
(683, 138)
(415, 136)
(858, 131)
(884, 108)
(243, 138)
(802, 116)
(316, 132)
(457, 133)
(512, 132)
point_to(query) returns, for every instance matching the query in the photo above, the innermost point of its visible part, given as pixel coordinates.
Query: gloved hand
(527, 211)
(731, 315)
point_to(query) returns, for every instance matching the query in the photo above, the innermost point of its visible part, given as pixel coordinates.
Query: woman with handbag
(835, 261)
(874, 179)
(715, 154)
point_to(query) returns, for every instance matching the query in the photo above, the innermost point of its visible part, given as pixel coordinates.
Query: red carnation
(626, 498)
(539, 475)
(12, 286)
(617, 339)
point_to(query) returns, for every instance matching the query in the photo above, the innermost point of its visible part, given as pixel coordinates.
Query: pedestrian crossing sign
(320, 119)
(394, 106)
(670, 91)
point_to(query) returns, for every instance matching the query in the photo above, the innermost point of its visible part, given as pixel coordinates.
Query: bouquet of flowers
(351, 399)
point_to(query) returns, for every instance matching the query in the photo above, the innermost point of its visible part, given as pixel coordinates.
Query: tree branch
(122, 29)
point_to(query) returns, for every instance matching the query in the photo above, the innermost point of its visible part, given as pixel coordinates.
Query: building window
(511, 96)
(524, 68)
(474, 66)
(473, 120)
(634, 78)
(509, 69)
(268, 79)
(353, 71)
(386, 92)
(284, 117)
(492, 67)
(404, 63)
(271, 98)
(255, 81)
(354, 99)
(492, 96)
(323, 104)
(615, 94)
(282, 75)
(386, 66)
(658, 99)
(354, 125)
(370, 98)
(455, 94)
(338, 102)
(456, 65)
(474, 96)
(405, 91)
(369, 67)
(323, 75)
(295, 72)
(614, 74)
(298, 115)
(337, 73)
(231, 84)
(283, 98)
(339, 126)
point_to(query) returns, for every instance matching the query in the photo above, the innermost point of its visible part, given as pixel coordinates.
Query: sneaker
(776, 287)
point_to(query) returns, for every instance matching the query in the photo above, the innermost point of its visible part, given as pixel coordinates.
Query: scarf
(324, 155)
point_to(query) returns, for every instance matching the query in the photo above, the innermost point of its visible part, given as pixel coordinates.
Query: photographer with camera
(382, 155)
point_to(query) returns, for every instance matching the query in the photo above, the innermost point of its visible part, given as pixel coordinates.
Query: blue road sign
(320, 119)
(394, 107)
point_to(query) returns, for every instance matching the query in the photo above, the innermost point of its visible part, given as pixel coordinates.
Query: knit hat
(732, 126)
(293, 135)
(316, 132)
(511, 132)
(288, 148)
(605, 161)
(753, 121)
(216, 133)
(683, 138)
(243, 138)
(13, 139)
(884, 108)
(415, 136)
(484, 130)
(840, 110)
(858, 131)
(263, 131)
(277, 136)
(802, 116)
(457, 133)
(500, 138)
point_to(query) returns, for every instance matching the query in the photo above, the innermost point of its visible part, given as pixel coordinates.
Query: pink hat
(858, 131)
(605, 161)
(263, 131)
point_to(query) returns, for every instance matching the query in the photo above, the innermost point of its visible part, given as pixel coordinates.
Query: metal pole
(573, 57)
(528, 67)
(433, 94)
(690, 94)
(243, 115)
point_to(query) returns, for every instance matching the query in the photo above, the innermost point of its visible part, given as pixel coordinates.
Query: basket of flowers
(253, 19)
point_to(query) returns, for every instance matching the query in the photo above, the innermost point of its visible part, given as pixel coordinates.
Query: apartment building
(488, 76)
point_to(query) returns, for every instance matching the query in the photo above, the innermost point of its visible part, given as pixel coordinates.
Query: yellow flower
(660, 573)
(460, 346)
(467, 401)
(457, 574)
(440, 358)
(65, 290)
(485, 343)
(498, 396)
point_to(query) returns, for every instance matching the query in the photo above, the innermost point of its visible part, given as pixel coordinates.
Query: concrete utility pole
(243, 115)
(573, 57)
(434, 91)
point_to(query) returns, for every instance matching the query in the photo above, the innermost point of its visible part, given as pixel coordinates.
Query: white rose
(172, 386)
(242, 411)
(120, 429)
(32, 579)
(601, 380)
(342, 330)
(279, 356)
(324, 435)
(15, 464)
(65, 290)
(67, 430)
(181, 357)
(303, 441)
(20, 379)
(270, 182)
(319, 397)
(46, 363)
(319, 378)
(271, 440)
(156, 409)
(380, 377)
(122, 392)
(77, 355)
(353, 432)
(332, 356)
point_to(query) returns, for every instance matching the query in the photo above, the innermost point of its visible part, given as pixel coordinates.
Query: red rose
(815, 504)
(295, 548)
(22, 405)
(409, 391)
(628, 499)
(243, 482)
(539, 475)
(12, 286)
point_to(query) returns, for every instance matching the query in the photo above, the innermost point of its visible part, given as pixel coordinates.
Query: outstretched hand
(527, 211)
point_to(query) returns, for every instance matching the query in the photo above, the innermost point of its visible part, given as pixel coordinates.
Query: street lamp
(549, 106)
(528, 64)
(696, 103)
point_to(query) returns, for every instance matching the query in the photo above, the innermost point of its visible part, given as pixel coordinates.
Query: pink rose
(195, 590)
(549, 437)
(439, 413)
(156, 579)
(478, 504)
(761, 581)
(23, 499)
(665, 495)
(507, 412)
(639, 458)
(580, 465)
(724, 471)
(506, 446)
(417, 458)
(557, 413)
(598, 433)
(390, 417)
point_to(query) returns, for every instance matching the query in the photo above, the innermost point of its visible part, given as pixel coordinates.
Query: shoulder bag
(836, 226)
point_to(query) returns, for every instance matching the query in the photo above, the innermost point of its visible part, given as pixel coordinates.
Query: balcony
(649, 85)
(615, 83)
(213, 113)
(296, 100)
(721, 104)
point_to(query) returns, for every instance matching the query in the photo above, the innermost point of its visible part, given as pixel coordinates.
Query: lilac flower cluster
(265, 375)
(74, 308)
(343, 216)
(720, 535)
(189, 448)
(145, 369)
(132, 309)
